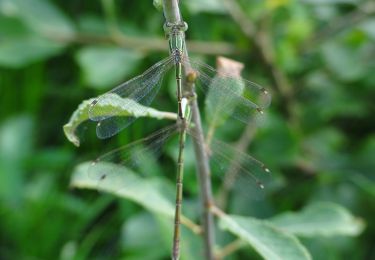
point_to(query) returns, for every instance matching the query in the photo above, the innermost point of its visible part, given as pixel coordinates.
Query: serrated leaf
(41, 15)
(114, 103)
(106, 66)
(268, 240)
(139, 190)
(320, 219)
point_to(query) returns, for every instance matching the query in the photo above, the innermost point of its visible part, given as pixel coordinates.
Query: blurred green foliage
(316, 57)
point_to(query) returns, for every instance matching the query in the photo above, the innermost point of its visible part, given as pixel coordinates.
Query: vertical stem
(179, 189)
(172, 14)
(180, 169)
(171, 11)
(204, 182)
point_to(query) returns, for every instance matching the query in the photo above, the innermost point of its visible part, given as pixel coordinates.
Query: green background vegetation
(317, 58)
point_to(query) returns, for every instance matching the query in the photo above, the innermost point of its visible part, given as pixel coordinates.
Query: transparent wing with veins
(234, 169)
(233, 95)
(109, 168)
(140, 90)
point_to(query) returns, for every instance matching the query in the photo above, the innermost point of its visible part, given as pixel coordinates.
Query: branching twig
(191, 225)
(229, 249)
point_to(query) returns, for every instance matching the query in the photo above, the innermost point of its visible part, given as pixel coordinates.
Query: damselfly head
(175, 27)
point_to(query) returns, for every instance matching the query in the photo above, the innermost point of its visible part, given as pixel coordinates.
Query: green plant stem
(179, 190)
(171, 11)
(172, 14)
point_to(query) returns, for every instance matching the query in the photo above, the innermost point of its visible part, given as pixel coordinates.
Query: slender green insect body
(177, 49)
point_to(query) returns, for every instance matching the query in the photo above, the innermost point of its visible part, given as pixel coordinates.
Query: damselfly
(143, 89)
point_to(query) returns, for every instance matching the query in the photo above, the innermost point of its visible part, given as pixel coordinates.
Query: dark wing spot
(260, 110)
(94, 102)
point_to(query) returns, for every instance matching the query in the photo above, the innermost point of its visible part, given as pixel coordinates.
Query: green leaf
(106, 66)
(16, 144)
(41, 15)
(209, 6)
(277, 141)
(323, 145)
(20, 46)
(340, 60)
(330, 99)
(364, 183)
(110, 105)
(215, 101)
(135, 236)
(330, 2)
(158, 4)
(368, 26)
(320, 219)
(145, 192)
(268, 240)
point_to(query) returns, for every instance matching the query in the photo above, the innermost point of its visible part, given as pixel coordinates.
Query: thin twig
(196, 229)
(144, 44)
(230, 249)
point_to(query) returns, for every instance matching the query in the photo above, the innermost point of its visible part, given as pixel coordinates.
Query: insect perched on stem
(142, 90)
